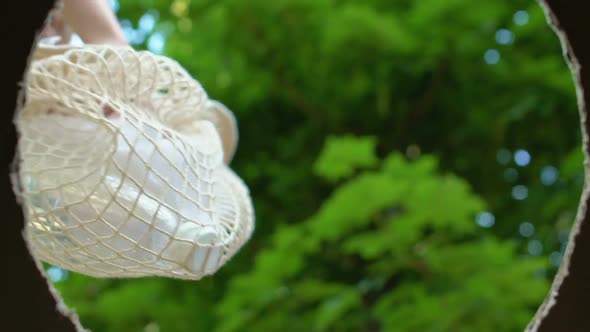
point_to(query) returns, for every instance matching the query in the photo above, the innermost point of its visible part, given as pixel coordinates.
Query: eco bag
(123, 166)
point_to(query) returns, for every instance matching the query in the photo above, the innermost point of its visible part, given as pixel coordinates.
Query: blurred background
(414, 165)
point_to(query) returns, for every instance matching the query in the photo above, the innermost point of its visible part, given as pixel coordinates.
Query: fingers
(57, 27)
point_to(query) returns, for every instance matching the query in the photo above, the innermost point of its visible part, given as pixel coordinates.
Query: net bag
(123, 168)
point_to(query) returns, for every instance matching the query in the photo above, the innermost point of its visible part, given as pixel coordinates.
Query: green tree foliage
(373, 135)
(391, 249)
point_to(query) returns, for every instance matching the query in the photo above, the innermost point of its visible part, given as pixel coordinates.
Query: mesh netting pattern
(123, 167)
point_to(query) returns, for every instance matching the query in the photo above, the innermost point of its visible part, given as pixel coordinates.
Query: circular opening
(414, 165)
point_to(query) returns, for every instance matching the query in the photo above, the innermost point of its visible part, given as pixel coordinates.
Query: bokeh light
(485, 219)
(521, 17)
(549, 175)
(522, 157)
(504, 37)
(156, 43)
(520, 192)
(555, 258)
(56, 274)
(492, 56)
(147, 22)
(503, 156)
(535, 247)
(114, 5)
(526, 229)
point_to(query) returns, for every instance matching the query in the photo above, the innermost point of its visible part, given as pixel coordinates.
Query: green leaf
(341, 156)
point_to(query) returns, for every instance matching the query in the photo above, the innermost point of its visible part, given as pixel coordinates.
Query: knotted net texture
(122, 170)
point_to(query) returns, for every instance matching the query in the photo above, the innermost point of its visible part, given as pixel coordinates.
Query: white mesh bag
(123, 166)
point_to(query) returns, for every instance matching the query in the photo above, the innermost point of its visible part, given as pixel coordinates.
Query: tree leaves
(343, 155)
(404, 222)
(351, 235)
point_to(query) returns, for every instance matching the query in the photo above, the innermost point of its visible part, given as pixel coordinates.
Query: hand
(57, 27)
(94, 21)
